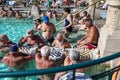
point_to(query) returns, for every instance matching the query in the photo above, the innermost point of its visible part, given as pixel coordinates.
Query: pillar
(109, 42)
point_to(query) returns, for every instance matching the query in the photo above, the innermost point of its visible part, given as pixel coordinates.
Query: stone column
(91, 8)
(109, 42)
(111, 29)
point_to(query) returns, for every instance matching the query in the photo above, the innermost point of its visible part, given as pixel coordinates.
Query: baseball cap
(45, 19)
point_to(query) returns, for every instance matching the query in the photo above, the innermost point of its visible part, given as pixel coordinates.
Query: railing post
(110, 76)
(73, 78)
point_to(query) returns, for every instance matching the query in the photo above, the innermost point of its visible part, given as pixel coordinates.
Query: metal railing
(60, 69)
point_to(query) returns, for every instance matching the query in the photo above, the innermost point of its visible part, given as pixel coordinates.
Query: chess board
(56, 53)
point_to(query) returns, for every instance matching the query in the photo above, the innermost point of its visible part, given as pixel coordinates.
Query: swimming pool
(17, 28)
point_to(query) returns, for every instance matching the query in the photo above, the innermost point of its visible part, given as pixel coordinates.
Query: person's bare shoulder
(6, 57)
(51, 64)
(37, 57)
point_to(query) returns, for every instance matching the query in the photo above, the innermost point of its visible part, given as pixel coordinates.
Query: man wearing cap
(48, 30)
(5, 43)
(43, 61)
(31, 40)
(15, 59)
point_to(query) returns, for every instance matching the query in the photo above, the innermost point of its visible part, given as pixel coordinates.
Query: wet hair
(2, 8)
(74, 55)
(54, 12)
(85, 12)
(3, 37)
(89, 20)
(39, 20)
(68, 10)
(10, 9)
(44, 51)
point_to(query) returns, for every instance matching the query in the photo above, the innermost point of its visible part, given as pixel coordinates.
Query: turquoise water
(17, 28)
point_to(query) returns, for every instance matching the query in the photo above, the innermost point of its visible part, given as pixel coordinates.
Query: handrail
(103, 74)
(58, 69)
(79, 11)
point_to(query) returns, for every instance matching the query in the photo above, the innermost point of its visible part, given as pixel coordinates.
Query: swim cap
(45, 19)
(13, 48)
(44, 51)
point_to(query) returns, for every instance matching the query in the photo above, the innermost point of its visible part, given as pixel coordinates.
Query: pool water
(14, 30)
(17, 28)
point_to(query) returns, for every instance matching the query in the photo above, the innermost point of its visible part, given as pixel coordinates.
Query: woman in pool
(54, 15)
(68, 23)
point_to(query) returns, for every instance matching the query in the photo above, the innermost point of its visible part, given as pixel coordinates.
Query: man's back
(12, 60)
(42, 63)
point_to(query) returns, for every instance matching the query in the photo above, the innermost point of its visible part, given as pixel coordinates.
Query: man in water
(3, 13)
(37, 23)
(43, 61)
(72, 58)
(48, 30)
(14, 59)
(31, 39)
(5, 44)
(90, 40)
(60, 42)
(11, 13)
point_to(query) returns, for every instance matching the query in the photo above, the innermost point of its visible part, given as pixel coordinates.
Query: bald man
(72, 58)
(43, 61)
(60, 42)
(5, 43)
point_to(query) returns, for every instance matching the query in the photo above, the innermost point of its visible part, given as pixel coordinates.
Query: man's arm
(5, 59)
(37, 56)
(22, 41)
(83, 38)
(26, 58)
(53, 44)
(67, 61)
(89, 38)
